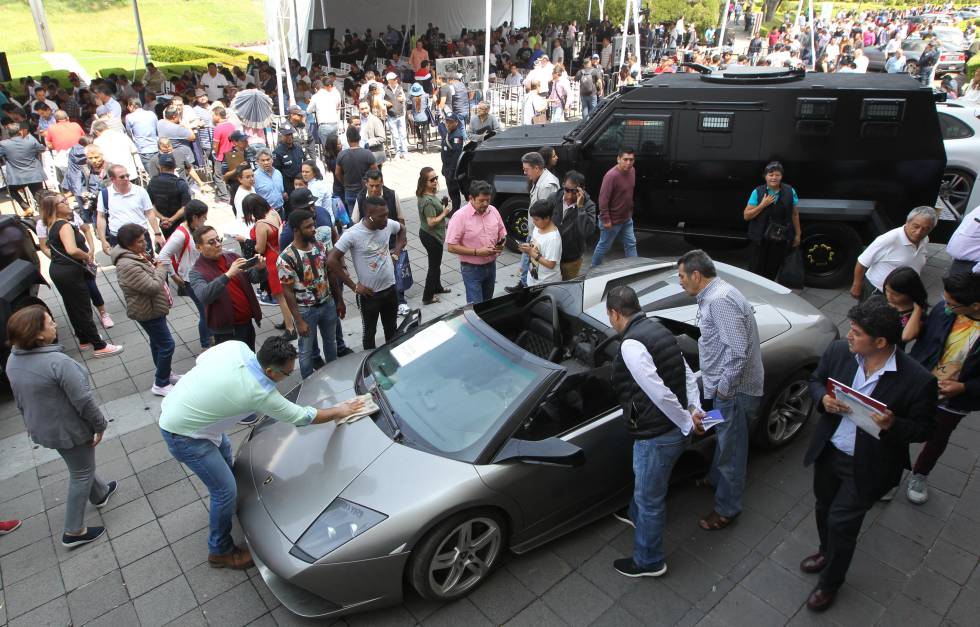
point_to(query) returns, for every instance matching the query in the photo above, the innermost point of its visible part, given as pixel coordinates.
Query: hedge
(175, 54)
(972, 66)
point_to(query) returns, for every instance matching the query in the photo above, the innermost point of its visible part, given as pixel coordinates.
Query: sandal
(434, 299)
(715, 521)
(443, 290)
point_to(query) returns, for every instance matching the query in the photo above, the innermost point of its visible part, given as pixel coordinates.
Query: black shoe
(443, 290)
(820, 600)
(623, 516)
(112, 490)
(345, 351)
(626, 567)
(813, 564)
(318, 363)
(510, 289)
(91, 534)
(290, 335)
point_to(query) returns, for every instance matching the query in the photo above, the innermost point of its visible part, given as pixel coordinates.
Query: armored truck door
(649, 135)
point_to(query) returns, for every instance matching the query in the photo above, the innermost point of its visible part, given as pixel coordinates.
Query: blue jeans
(588, 105)
(479, 280)
(323, 319)
(399, 134)
(653, 461)
(161, 347)
(212, 464)
(324, 129)
(610, 235)
(203, 332)
(732, 451)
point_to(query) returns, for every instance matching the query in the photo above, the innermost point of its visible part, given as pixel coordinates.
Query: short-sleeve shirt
(355, 162)
(370, 254)
(309, 278)
(174, 132)
(549, 245)
(214, 85)
(889, 251)
(111, 107)
(130, 207)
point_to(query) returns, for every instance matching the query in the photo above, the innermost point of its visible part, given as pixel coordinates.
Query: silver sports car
(498, 430)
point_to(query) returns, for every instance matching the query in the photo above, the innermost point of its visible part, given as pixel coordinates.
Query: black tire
(424, 572)
(954, 193)
(513, 211)
(786, 413)
(829, 253)
(912, 68)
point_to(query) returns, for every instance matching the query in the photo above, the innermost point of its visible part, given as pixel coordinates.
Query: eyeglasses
(214, 241)
(434, 179)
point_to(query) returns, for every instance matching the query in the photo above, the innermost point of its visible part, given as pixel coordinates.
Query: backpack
(586, 83)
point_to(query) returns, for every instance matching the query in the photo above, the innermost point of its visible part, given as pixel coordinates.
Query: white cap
(391, 76)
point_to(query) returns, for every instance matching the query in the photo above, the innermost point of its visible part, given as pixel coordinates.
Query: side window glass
(953, 128)
(646, 136)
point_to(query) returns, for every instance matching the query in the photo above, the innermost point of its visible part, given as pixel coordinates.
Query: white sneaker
(174, 378)
(162, 391)
(403, 310)
(918, 491)
(109, 350)
(107, 321)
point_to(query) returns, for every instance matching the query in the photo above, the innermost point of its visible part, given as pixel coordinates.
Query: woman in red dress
(266, 225)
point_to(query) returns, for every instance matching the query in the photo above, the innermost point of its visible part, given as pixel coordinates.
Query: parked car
(960, 126)
(498, 430)
(951, 60)
(861, 150)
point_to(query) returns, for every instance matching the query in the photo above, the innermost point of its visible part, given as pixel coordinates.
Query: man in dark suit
(853, 468)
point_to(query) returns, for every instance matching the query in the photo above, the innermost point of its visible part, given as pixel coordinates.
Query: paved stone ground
(914, 565)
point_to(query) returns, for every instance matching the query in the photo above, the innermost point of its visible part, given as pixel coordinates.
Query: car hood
(299, 471)
(533, 136)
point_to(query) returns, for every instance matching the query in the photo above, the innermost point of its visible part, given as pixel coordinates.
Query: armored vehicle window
(953, 128)
(647, 135)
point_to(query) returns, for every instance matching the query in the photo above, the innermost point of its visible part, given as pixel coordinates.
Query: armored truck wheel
(514, 214)
(829, 253)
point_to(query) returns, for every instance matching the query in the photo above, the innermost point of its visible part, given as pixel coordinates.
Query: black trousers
(767, 257)
(241, 332)
(383, 304)
(433, 278)
(22, 193)
(452, 186)
(840, 511)
(70, 281)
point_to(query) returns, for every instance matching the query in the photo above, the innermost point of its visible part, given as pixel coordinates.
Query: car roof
(845, 81)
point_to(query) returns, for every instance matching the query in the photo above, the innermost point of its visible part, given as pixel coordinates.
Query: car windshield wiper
(389, 413)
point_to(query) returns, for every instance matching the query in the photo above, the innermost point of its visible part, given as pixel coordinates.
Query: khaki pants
(570, 269)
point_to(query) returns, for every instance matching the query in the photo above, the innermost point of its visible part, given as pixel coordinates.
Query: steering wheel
(600, 354)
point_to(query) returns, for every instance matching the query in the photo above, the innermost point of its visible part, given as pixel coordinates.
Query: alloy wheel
(954, 193)
(790, 411)
(465, 556)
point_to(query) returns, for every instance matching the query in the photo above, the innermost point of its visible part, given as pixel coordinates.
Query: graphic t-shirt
(958, 344)
(309, 278)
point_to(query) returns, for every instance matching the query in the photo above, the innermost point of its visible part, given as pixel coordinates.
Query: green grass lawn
(102, 33)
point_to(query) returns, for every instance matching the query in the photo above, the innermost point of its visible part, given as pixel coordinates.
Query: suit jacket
(910, 393)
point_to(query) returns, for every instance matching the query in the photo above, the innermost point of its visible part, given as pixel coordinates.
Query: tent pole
(602, 10)
(139, 33)
(813, 47)
(626, 28)
(486, 55)
(299, 52)
(724, 25)
(636, 29)
(589, 18)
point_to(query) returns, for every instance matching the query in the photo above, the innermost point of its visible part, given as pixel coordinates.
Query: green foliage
(701, 13)
(175, 54)
(972, 66)
(221, 50)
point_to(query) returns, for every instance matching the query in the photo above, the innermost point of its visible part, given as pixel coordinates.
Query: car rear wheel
(954, 193)
(516, 219)
(787, 412)
(458, 555)
(829, 252)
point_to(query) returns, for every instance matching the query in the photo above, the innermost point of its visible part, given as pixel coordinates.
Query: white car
(960, 127)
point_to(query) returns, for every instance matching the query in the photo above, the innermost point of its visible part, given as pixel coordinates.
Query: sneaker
(268, 301)
(626, 567)
(91, 534)
(403, 310)
(174, 378)
(162, 390)
(112, 489)
(6, 526)
(107, 321)
(510, 289)
(623, 516)
(918, 491)
(84, 347)
(249, 420)
(109, 350)
(888, 496)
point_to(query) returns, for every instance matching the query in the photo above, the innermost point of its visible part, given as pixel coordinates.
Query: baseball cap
(286, 129)
(295, 109)
(301, 198)
(391, 76)
(595, 56)
(237, 136)
(166, 160)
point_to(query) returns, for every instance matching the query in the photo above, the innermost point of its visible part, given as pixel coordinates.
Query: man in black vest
(852, 467)
(661, 404)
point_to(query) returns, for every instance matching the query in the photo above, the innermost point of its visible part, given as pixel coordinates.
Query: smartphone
(501, 241)
(254, 261)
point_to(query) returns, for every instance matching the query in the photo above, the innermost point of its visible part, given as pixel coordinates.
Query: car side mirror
(548, 452)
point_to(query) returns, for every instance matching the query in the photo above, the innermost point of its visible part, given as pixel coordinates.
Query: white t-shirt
(889, 251)
(549, 245)
(326, 103)
(370, 254)
(214, 85)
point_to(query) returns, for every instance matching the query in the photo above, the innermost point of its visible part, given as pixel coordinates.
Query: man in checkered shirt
(731, 375)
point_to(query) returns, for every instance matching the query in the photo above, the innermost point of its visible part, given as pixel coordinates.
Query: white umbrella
(253, 107)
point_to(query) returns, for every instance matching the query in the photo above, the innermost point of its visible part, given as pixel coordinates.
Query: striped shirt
(728, 349)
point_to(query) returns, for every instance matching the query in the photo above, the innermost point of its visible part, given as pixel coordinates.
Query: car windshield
(451, 387)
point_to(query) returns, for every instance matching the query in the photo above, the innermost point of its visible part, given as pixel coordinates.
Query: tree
(771, 6)
(701, 13)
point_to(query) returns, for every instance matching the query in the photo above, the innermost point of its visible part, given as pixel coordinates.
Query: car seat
(542, 334)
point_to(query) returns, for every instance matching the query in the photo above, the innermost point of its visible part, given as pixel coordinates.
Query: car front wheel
(458, 555)
(784, 416)
(513, 211)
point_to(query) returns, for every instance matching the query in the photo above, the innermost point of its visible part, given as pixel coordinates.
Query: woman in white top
(320, 189)
(246, 185)
(535, 107)
(181, 253)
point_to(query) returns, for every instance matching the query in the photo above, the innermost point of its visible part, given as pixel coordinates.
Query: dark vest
(644, 419)
(220, 315)
(780, 212)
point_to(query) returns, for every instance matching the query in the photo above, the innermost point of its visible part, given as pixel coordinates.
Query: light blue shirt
(843, 438)
(112, 107)
(142, 126)
(270, 186)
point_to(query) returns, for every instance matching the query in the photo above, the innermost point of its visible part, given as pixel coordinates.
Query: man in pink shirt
(419, 54)
(476, 233)
(221, 143)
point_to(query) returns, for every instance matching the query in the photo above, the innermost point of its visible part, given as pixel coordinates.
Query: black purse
(776, 232)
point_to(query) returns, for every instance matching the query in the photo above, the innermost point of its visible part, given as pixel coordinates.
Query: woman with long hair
(68, 270)
(433, 215)
(245, 176)
(53, 393)
(266, 225)
(905, 292)
(181, 253)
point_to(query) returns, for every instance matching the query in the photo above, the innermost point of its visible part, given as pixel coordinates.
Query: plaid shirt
(728, 349)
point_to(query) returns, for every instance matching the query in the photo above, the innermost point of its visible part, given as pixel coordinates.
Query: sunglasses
(434, 179)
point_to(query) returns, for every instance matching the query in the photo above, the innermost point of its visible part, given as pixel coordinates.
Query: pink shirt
(469, 229)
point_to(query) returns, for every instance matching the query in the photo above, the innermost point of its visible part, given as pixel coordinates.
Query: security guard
(288, 156)
(239, 154)
(451, 149)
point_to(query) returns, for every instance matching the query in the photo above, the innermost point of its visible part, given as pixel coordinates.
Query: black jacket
(780, 212)
(644, 419)
(575, 228)
(909, 392)
(928, 349)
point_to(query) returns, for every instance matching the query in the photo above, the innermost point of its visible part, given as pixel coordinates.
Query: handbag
(791, 272)
(403, 273)
(90, 268)
(776, 232)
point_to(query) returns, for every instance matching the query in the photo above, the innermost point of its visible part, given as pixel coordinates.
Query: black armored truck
(861, 150)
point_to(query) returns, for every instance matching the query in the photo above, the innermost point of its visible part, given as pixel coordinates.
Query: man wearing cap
(325, 105)
(169, 194)
(450, 150)
(395, 102)
(288, 156)
(240, 153)
(214, 82)
(589, 85)
(301, 132)
(142, 127)
(222, 145)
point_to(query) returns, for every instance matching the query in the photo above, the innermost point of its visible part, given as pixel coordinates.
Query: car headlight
(341, 522)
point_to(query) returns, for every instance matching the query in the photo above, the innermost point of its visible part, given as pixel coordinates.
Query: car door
(649, 135)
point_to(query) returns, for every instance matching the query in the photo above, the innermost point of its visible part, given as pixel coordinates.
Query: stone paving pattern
(915, 565)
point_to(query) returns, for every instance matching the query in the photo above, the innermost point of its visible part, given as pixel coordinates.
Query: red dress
(271, 256)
